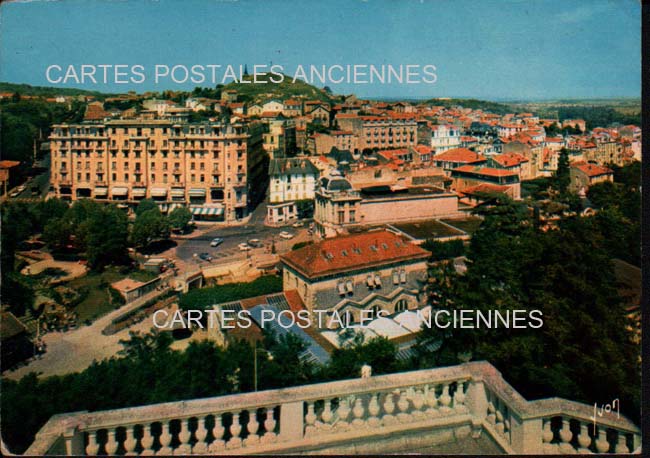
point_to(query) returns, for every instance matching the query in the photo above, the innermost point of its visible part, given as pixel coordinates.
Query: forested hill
(474, 104)
(252, 92)
(42, 91)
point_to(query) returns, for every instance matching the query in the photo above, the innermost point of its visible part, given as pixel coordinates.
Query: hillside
(252, 92)
(474, 104)
(42, 91)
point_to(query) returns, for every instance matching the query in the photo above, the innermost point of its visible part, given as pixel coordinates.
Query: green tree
(145, 205)
(107, 236)
(562, 176)
(378, 352)
(180, 218)
(149, 225)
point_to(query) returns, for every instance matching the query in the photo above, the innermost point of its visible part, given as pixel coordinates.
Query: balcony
(424, 410)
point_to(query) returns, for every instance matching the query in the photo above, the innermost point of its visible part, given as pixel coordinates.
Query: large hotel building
(207, 166)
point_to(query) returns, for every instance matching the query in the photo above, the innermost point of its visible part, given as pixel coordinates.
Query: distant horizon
(371, 97)
(491, 49)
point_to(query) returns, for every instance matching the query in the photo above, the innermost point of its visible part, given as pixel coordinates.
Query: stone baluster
(389, 408)
(565, 437)
(418, 403)
(491, 416)
(147, 440)
(373, 411)
(432, 400)
(201, 434)
(217, 431)
(343, 411)
(269, 426)
(459, 398)
(130, 443)
(499, 425)
(547, 438)
(602, 444)
(403, 406)
(235, 431)
(358, 412)
(111, 442)
(445, 399)
(93, 444)
(310, 419)
(184, 436)
(584, 440)
(253, 427)
(621, 444)
(165, 439)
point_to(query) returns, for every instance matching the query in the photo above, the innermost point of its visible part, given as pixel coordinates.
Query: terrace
(469, 407)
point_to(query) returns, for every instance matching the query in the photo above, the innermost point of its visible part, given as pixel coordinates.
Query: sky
(489, 49)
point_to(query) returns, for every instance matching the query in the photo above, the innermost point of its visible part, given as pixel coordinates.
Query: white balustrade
(472, 395)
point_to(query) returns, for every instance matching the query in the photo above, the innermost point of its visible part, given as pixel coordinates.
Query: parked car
(14, 193)
(255, 243)
(298, 224)
(216, 241)
(205, 256)
(286, 235)
(244, 246)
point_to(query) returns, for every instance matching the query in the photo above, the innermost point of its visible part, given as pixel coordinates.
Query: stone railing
(461, 400)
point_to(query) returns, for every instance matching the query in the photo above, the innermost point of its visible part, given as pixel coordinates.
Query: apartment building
(207, 167)
(382, 132)
(358, 275)
(291, 180)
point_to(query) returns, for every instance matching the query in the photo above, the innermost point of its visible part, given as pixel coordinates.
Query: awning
(101, 192)
(139, 192)
(158, 192)
(120, 191)
(197, 192)
(178, 192)
(207, 211)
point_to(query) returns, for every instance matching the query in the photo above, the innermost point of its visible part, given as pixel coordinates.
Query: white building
(445, 137)
(291, 180)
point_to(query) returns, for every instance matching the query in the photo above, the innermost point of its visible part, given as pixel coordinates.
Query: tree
(378, 352)
(179, 219)
(106, 240)
(562, 175)
(149, 225)
(567, 275)
(145, 205)
(57, 233)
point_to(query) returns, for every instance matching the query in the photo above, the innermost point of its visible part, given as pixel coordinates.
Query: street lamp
(269, 357)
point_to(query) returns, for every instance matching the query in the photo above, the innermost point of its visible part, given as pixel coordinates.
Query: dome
(339, 184)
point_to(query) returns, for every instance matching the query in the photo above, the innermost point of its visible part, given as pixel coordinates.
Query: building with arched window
(358, 276)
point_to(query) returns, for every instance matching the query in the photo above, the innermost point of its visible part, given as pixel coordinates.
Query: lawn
(93, 288)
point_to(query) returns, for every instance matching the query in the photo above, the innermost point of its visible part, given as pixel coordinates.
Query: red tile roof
(592, 170)
(459, 155)
(483, 187)
(509, 159)
(487, 171)
(352, 252)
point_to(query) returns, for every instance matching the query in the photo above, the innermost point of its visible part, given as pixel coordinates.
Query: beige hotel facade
(206, 167)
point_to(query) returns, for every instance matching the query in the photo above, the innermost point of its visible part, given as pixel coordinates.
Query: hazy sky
(492, 49)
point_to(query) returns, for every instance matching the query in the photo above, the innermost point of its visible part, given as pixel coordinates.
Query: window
(401, 305)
